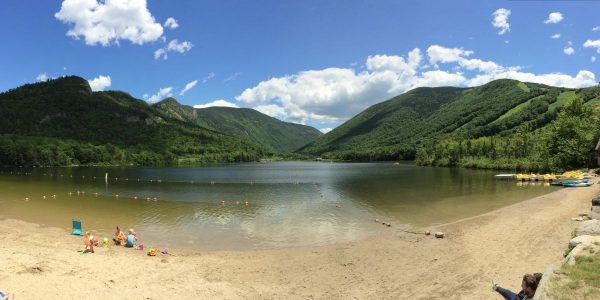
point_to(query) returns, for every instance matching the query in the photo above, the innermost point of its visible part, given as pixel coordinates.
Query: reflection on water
(259, 205)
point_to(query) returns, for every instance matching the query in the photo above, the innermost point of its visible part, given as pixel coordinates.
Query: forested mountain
(62, 122)
(249, 124)
(482, 126)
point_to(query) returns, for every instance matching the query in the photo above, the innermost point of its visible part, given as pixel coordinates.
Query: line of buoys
(212, 182)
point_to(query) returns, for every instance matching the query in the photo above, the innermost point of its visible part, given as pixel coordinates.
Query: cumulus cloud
(596, 28)
(569, 50)
(335, 94)
(583, 78)
(42, 77)
(592, 44)
(188, 87)
(174, 45)
(99, 83)
(161, 94)
(501, 20)
(555, 36)
(438, 54)
(554, 18)
(182, 47)
(103, 22)
(171, 23)
(593, 58)
(219, 103)
(272, 110)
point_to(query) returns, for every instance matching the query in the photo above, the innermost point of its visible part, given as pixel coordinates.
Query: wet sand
(40, 262)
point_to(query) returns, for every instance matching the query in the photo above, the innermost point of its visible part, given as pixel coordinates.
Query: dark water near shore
(288, 203)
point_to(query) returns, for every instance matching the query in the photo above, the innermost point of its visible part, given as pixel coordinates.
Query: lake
(255, 205)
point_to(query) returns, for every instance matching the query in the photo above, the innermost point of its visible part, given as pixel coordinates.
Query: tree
(571, 138)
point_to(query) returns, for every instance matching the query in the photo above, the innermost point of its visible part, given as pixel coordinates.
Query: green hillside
(62, 122)
(425, 118)
(249, 124)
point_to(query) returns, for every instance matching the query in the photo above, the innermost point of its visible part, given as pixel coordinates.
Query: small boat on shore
(577, 184)
(569, 182)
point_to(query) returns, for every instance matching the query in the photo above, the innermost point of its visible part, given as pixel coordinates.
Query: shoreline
(43, 261)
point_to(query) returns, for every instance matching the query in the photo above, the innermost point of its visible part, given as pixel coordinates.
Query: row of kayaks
(569, 175)
(535, 177)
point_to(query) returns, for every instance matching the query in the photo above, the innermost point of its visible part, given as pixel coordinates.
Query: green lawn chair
(77, 229)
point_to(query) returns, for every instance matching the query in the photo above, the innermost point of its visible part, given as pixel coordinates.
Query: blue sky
(312, 62)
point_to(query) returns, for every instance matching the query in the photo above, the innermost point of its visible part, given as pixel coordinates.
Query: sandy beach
(40, 262)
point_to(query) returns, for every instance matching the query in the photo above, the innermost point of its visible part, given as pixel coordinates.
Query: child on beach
(131, 238)
(119, 237)
(89, 242)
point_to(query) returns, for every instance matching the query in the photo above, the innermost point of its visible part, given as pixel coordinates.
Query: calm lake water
(289, 203)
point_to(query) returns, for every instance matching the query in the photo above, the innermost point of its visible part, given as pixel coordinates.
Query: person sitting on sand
(131, 238)
(529, 285)
(119, 237)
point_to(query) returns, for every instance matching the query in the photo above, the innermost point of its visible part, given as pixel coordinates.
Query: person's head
(131, 231)
(529, 284)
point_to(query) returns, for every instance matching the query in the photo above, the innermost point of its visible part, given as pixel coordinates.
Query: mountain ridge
(123, 129)
(245, 123)
(395, 128)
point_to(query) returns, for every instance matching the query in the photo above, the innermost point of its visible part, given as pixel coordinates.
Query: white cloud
(501, 20)
(233, 76)
(326, 130)
(162, 94)
(160, 52)
(171, 23)
(100, 83)
(555, 36)
(42, 77)
(218, 103)
(335, 94)
(569, 50)
(272, 110)
(182, 47)
(592, 44)
(596, 28)
(103, 22)
(173, 45)
(593, 58)
(583, 78)
(438, 54)
(208, 77)
(554, 18)
(188, 87)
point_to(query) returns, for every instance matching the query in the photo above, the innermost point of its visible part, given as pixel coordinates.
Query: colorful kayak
(576, 184)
